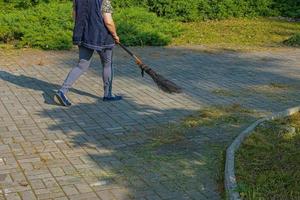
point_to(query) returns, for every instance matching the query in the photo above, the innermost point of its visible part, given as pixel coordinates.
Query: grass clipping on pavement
(189, 155)
(268, 163)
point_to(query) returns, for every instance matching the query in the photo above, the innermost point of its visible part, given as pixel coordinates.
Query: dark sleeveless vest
(90, 30)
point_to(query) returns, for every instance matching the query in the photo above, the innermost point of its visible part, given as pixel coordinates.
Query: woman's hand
(117, 39)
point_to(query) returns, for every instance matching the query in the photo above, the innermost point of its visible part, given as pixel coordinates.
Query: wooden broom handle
(138, 61)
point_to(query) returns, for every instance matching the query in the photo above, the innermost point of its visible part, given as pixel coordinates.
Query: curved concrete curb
(230, 179)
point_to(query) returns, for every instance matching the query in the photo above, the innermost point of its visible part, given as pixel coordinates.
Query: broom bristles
(163, 83)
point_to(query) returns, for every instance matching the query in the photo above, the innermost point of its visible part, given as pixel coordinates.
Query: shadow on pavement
(47, 88)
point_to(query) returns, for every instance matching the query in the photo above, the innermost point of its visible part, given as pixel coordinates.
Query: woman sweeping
(94, 31)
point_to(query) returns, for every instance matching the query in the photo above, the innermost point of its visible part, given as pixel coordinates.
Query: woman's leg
(107, 72)
(85, 55)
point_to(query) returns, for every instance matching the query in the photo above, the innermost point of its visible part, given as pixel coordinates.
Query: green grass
(294, 40)
(268, 163)
(238, 33)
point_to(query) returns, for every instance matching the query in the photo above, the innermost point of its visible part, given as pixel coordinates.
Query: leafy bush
(189, 10)
(287, 8)
(49, 26)
(293, 40)
(136, 26)
(25, 4)
(128, 3)
(185, 10)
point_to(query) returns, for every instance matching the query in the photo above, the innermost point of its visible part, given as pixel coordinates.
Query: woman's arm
(110, 24)
(107, 11)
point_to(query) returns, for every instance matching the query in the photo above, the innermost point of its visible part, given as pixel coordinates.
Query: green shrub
(136, 26)
(25, 4)
(293, 40)
(128, 3)
(190, 10)
(49, 26)
(287, 8)
(184, 10)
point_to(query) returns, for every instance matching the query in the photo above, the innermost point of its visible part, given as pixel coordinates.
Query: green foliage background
(136, 26)
(190, 10)
(48, 24)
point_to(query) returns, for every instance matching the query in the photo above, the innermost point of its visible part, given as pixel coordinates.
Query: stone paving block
(57, 171)
(61, 198)
(121, 193)
(4, 148)
(50, 182)
(83, 188)
(68, 180)
(84, 196)
(27, 195)
(12, 196)
(109, 185)
(58, 155)
(48, 193)
(106, 195)
(17, 176)
(70, 170)
(70, 190)
(33, 159)
(38, 174)
(37, 184)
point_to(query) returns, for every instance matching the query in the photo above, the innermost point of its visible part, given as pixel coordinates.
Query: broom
(162, 83)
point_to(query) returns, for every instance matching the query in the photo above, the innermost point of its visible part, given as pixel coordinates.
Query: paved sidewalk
(52, 152)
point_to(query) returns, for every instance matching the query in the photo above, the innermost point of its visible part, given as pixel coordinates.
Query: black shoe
(113, 98)
(62, 98)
